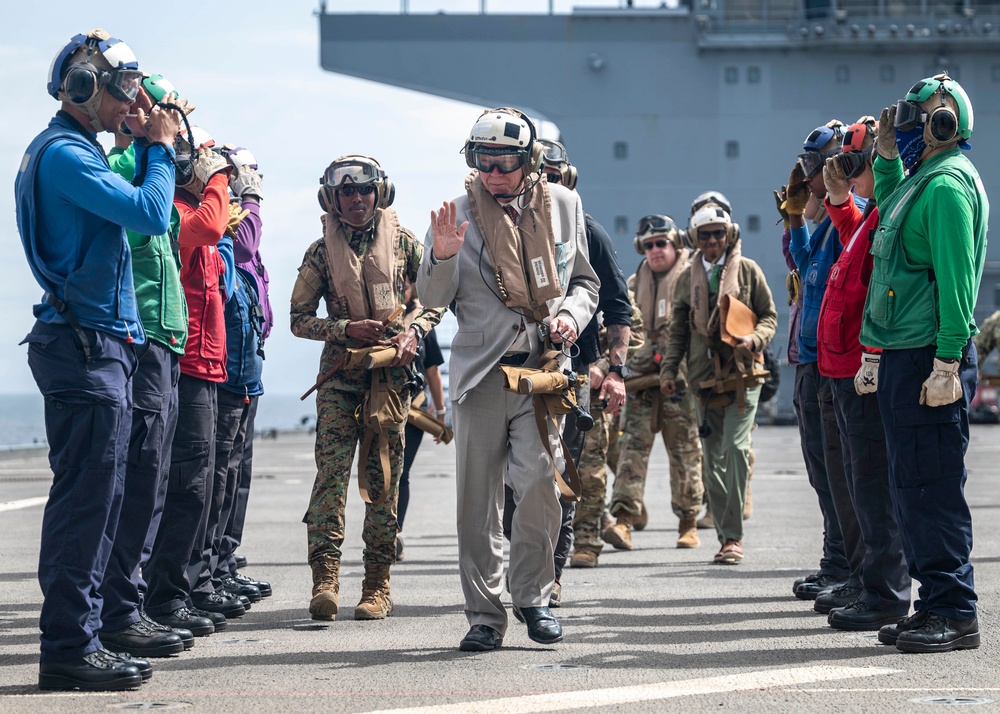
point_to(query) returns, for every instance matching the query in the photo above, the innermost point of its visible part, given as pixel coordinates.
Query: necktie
(511, 211)
(713, 279)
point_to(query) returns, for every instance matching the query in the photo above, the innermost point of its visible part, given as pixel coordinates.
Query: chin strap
(89, 108)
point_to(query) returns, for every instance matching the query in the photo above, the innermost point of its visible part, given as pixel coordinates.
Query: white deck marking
(767, 679)
(23, 503)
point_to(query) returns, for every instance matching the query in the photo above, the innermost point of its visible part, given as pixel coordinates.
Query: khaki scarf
(705, 318)
(653, 293)
(366, 283)
(515, 250)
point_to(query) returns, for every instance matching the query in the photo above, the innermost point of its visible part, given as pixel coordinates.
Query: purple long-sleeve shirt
(247, 250)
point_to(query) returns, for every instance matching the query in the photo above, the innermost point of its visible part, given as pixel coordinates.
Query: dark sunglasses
(718, 234)
(362, 190)
(553, 178)
(650, 244)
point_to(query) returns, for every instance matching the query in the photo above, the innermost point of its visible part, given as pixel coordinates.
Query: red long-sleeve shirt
(838, 348)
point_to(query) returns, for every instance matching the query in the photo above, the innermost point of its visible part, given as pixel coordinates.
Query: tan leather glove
(942, 387)
(796, 192)
(207, 164)
(838, 186)
(779, 201)
(866, 380)
(236, 216)
(793, 284)
(885, 135)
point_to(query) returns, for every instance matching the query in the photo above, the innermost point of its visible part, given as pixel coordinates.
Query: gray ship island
(657, 102)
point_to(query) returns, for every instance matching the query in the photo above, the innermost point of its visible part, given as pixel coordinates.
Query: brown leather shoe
(731, 553)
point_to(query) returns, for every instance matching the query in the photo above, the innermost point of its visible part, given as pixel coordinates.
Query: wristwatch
(619, 369)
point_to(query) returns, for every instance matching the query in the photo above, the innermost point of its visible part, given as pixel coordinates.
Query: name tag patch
(382, 292)
(538, 270)
(661, 307)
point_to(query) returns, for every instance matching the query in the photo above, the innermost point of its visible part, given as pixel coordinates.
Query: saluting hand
(448, 239)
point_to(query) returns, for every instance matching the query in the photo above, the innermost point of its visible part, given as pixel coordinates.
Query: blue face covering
(911, 145)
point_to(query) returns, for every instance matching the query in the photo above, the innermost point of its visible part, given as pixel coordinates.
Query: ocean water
(22, 419)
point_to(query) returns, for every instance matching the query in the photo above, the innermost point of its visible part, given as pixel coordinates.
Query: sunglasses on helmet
(363, 190)
(506, 159)
(654, 224)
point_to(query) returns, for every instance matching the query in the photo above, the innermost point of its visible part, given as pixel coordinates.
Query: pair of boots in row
(375, 604)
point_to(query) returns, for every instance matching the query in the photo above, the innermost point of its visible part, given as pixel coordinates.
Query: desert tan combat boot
(326, 588)
(688, 531)
(640, 521)
(584, 557)
(620, 534)
(375, 601)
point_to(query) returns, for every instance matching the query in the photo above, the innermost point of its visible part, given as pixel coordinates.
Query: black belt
(514, 359)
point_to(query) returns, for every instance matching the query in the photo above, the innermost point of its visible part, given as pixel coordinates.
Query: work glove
(866, 380)
(838, 186)
(796, 193)
(207, 164)
(942, 387)
(885, 135)
(245, 181)
(236, 216)
(779, 201)
(793, 284)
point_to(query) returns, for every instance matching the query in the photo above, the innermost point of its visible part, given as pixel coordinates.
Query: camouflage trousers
(338, 434)
(594, 481)
(679, 427)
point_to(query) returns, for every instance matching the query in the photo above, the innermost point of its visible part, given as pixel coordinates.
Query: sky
(252, 70)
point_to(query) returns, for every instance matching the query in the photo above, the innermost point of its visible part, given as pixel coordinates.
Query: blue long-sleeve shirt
(72, 210)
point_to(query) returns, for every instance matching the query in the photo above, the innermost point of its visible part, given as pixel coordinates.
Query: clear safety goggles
(504, 158)
(553, 152)
(811, 162)
(655, 223)
(355, 172)
(123, 84)
(908, 115)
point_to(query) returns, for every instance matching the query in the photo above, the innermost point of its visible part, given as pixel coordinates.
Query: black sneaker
(143, 665)
(214, 602)
(189, 620)
(838, 597)
(262, 585)
(142, 640)
(95, 672)
(232, 585)
(939, 634)
(888, 634)
(187, 637)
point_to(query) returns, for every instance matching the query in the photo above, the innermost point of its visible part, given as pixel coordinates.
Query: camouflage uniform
(678, 424)
(988, 338)
(338, 431)
(679, 427)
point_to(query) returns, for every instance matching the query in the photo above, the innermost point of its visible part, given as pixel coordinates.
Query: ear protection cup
(80, 83)
(637, 244)
(942, 125)
(569, 176)
(326, 199)
(386, 193)
(534, 157)
(733, 234)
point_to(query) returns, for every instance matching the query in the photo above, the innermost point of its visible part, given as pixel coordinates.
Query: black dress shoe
(187, 637)
(243, 599)
(232, 585)
(262, 585)
(186, 619)
(939, 634)
(543, 627)
(809, 591)
(860, 616)
(888, 634)
(811, 578)
(214, 602)
(481, 638)
(838, 597)
(217, 618)
(142, 640)
(241, 562)
(95, 672)
(143, 665)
